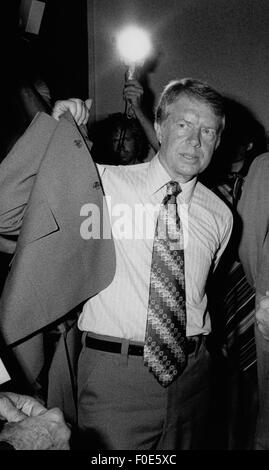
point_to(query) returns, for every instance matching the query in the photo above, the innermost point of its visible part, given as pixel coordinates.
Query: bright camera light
(133, 45)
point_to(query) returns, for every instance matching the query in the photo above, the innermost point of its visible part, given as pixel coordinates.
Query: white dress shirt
(121, 309)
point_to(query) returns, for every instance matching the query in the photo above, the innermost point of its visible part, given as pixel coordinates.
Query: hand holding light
(134, 46)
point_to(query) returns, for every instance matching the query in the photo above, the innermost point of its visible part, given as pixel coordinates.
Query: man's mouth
(188, 156)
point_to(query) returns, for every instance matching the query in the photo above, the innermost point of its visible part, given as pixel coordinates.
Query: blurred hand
(79, 109)
(262, 316)
(46, 431)
(132, 93)
(15, 407)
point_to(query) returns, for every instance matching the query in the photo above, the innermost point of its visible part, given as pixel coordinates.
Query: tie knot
(173, 188)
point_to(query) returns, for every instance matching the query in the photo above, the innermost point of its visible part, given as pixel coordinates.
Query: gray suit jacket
(44, 181)
(253, 207)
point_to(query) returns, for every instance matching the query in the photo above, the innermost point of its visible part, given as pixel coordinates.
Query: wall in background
(223, 42)
(56, 31)
(63, 38)
(46, 40)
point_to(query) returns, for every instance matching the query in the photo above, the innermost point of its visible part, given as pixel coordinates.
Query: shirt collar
(158, 178)
(101, 169)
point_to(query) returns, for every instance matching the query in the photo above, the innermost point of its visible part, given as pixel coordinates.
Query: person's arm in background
(28, 425)
(32, 101)
(132, 93)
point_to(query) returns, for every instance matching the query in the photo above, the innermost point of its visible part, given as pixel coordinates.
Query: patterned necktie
(165, 341)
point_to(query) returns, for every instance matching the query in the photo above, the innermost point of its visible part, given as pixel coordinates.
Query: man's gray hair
(195, 89)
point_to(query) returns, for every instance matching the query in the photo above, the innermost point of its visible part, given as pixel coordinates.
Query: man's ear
(221, 129)
(158, 131)
(218, 141)
(88, 103)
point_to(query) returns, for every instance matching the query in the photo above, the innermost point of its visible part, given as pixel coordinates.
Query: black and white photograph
(134, 229)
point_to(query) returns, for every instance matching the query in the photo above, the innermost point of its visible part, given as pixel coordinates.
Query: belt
(193, 344)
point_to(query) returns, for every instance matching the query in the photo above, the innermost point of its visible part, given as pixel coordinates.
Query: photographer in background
(126, 138)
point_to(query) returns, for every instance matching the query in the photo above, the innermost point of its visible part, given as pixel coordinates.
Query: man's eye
(211, 133)
(182, 125)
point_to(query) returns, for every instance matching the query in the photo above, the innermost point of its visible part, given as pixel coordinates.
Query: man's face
(188, 137)
(127, 152)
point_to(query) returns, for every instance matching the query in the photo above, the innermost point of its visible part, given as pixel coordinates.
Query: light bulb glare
(133, 45)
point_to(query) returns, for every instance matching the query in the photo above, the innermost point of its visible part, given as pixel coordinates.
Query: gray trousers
(121, 406)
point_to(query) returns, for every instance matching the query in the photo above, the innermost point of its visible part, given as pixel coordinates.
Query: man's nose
(195, 138)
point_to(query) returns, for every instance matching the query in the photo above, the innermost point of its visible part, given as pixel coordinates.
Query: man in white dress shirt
(121, 405)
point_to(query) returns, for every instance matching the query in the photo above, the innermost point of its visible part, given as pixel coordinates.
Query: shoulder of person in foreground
(253, 206)
(258, 173)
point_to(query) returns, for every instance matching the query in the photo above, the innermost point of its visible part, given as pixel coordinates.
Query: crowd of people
(119, 322)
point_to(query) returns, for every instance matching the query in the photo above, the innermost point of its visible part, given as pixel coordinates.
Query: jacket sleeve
(17, 176)
(253, 208)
